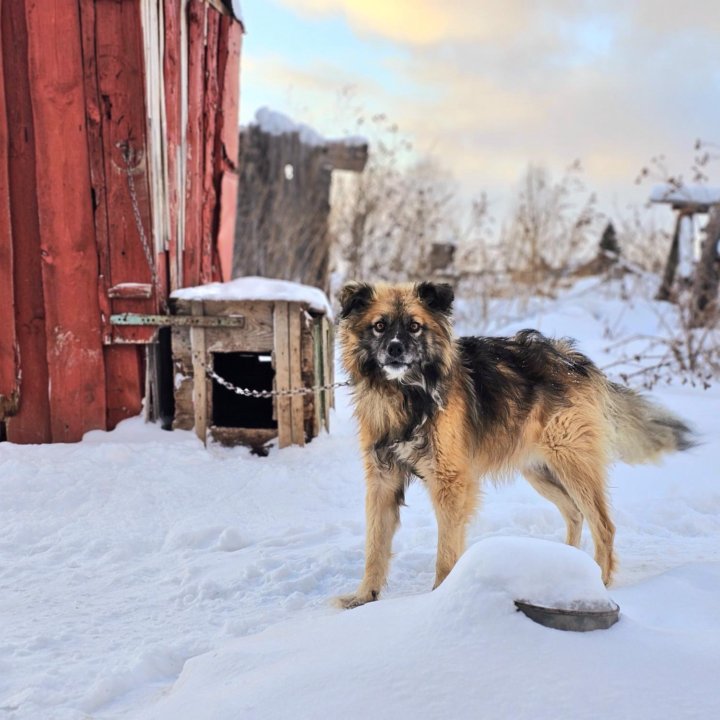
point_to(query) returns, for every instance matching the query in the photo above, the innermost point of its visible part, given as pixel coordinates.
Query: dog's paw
(347, 602)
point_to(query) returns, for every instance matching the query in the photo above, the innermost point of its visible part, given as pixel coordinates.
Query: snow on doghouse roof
(258, 288)
(275, 123)
(693, 194)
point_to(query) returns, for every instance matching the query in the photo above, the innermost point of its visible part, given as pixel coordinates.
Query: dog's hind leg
(548, 485)
(583, 477)
(579, 465)
(454, 496)
(383, 497)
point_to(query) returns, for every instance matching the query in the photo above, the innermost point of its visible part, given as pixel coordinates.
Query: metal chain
(271, 393)
(128, 154)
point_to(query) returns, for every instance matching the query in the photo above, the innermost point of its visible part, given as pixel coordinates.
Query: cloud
(424, 21)
(491, 86)
(430, 21)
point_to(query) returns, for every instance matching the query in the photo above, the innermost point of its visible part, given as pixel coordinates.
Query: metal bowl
(578, 620)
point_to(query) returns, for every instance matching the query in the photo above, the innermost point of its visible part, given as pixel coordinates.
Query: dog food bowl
(577, 619)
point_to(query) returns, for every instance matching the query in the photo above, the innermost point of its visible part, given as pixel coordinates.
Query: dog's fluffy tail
(644, 430)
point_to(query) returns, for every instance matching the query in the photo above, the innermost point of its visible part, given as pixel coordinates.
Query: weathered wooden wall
(90, 91)
(281, 229)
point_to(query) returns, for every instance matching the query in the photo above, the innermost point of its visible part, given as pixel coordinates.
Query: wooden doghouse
(258, 334)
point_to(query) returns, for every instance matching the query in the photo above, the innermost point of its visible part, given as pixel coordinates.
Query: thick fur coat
(451, 411)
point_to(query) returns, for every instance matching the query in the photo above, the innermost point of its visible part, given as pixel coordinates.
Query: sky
(487, 87)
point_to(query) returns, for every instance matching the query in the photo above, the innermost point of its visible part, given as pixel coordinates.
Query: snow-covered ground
(143, 576)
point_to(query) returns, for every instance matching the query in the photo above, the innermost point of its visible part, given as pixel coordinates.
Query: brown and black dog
(453, 410)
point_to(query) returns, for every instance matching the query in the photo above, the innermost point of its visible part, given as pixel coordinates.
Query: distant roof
(275, 123)
(685, 194)
(234, 8)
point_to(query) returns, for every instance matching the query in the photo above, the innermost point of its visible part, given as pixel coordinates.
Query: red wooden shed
(118, 143)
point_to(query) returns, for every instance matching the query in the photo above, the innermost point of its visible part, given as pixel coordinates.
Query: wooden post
(665, 290)
(319, 379)
(707, 274)
(199, 359)
(281, 359)
(296, 401)
(329, 367)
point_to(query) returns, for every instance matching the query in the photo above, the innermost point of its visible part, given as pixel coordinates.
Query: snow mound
(373, 658)
(258, 288)
(540, 572)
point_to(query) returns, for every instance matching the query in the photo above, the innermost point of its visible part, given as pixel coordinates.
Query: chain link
(247, 392)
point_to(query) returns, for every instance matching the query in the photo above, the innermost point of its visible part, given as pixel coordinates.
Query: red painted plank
(32, 423)
(229, 63)
(226, 231)
(125, 376)
(173, 98)
(120, 73)
(97, 161)
(226, 150)
(68, 255)
(196, 12)
(209, 264)
(9, 380)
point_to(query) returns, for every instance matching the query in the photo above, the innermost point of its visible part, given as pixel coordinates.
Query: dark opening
(165, 385)
(246, 370)
(3, 432)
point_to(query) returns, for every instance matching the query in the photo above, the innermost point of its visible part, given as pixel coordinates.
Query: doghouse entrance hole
(247, 370)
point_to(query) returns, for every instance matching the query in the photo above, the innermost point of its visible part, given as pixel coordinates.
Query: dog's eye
(414, 327)
(379, 326)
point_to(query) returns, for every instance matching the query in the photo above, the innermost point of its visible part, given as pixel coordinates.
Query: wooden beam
(342, 156)
(200, 382)
(281, 362)
(131, 291)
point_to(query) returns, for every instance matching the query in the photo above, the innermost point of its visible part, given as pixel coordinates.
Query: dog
(450, 411)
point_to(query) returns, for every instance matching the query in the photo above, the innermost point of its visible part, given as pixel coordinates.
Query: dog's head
(391, 333)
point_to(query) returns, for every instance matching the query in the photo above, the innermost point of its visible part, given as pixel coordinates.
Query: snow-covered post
(687, 201)
(707, 277)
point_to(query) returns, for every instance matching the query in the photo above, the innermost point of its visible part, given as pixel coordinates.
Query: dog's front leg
(383, 497)
(454, 497)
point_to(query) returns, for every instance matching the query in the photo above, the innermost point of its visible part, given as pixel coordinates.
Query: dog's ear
(437, 297)
(354, 297)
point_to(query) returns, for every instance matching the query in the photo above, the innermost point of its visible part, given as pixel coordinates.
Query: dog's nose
(395, 349)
